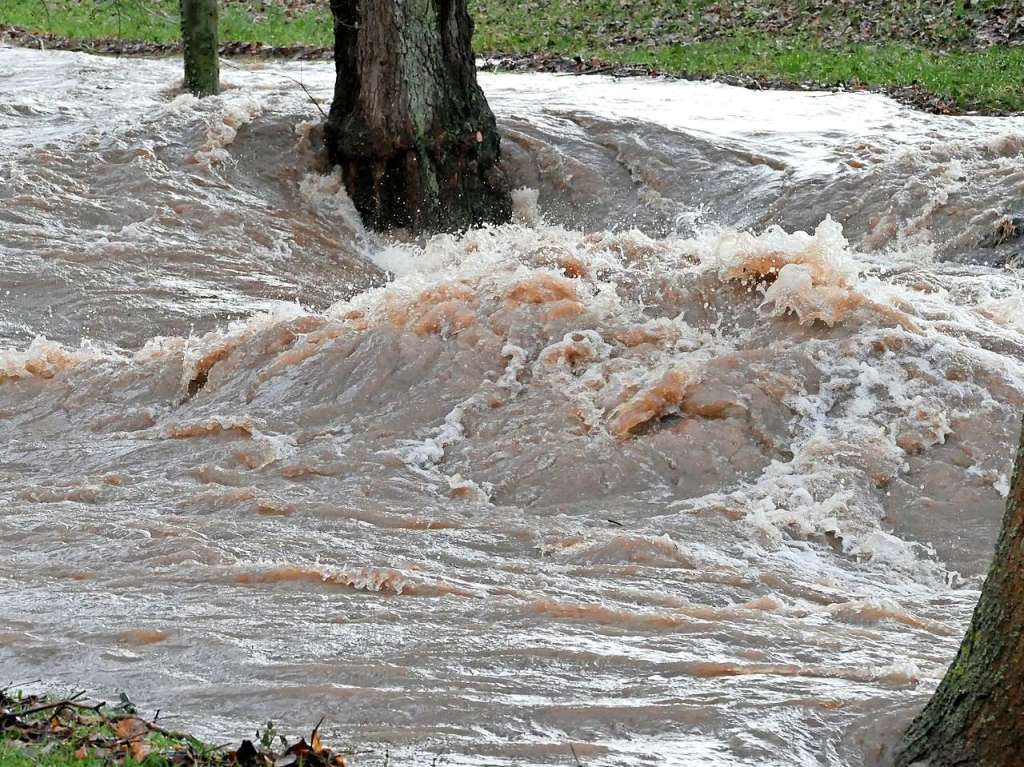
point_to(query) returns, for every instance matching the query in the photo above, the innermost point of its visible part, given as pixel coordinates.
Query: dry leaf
(130, 728)
(138, 750)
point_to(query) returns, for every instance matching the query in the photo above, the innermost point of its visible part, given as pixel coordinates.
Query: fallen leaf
(130, 728)
(138, 750)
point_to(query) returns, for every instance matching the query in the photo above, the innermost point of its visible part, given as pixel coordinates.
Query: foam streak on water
(699, 462)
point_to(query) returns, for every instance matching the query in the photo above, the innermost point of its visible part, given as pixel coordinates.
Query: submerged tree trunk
(409, 126)
(977, 715)
(200, 42)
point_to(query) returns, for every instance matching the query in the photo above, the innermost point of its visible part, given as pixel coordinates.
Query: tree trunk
(409, 126)
(200, 42)
(977, 715)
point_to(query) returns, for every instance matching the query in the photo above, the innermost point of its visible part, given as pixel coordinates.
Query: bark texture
(976, 717)
(201, 44)
(409, 126)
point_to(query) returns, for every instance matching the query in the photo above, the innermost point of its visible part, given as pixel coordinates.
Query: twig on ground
(20, 684)
(68, 702)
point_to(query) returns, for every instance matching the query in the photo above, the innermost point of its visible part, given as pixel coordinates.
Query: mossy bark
(410, 128)
(976, 717)
(201, 44)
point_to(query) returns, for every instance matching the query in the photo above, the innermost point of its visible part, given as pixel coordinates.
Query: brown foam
(657, 620)
(296, 471)
(446, 317)
(304, 347)
(762, 267)
(143, 636)
(651, 403)
(637, 335)
(273, 508)
(449, 307)
(563, 310)
(541, 289)
(376, 580)
(569, 353)
(568, 264)
(572, 267)
(876, 613)
(43, 360)
(713, 409)
(207, 428)
(707, 669)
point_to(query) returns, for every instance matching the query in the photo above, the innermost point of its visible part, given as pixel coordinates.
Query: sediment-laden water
(698, 463)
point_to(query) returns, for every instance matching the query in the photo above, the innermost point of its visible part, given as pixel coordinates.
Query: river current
(699, 462)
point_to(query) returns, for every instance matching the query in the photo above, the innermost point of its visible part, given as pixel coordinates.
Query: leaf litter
(78, 729)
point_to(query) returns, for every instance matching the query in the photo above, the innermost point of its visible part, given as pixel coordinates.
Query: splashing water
(698, 462)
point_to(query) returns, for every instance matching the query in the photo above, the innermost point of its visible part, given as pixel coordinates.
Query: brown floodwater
(699, 462)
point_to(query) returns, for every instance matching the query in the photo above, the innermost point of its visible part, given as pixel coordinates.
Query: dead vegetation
(49, 732)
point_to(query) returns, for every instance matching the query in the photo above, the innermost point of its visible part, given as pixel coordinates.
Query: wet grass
(19, 756)
(938, 24)
(43, 731)
(156, 21)
(52, 732)
(15, 753)
(988, 80)
(954, 53)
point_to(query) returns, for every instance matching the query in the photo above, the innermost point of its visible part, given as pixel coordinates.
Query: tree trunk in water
(200, 42)
(977, 715)
(409, 126)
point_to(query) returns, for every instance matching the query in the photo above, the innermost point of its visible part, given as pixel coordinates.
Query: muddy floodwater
(699, 462)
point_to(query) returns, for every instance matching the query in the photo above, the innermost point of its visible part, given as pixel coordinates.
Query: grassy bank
(46, 732)
(156, 21)
(958, 58)
(42, 731)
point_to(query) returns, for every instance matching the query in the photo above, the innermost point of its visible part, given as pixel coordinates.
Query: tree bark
(201, 45)
(410, 128)
(977, 715)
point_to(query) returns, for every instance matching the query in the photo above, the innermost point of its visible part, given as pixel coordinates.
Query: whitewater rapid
(699, 461)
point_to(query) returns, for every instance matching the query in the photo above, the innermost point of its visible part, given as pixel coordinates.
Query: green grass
(647, 23)
(941, 49)
(39, 731)
(20, 754)
(28, 756)
(47, 731)
(990, 79)
(156, 21)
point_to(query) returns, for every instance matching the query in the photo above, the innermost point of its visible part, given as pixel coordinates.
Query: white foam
(223, 129)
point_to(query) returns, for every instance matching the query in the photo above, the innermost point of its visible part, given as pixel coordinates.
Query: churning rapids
(700, 462)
